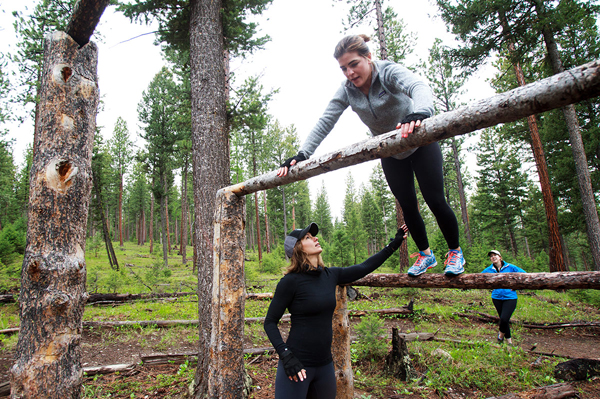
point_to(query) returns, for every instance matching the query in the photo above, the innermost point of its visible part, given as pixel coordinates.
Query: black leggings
(505, 309)
(426, 165)
(319, 384)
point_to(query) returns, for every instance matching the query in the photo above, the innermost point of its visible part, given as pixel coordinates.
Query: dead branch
(556, 391)
(85, 18)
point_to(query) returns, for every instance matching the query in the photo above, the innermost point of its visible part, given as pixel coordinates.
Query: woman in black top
(305, 368)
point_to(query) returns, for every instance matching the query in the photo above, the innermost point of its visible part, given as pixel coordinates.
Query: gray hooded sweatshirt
(394, 93)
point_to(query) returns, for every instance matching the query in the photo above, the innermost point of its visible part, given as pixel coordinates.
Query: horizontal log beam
(517, 281)
(569, 87)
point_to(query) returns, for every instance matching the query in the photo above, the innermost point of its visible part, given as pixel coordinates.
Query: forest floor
(108, 346)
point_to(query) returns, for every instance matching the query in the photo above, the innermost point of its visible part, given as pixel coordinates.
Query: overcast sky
(298, 61)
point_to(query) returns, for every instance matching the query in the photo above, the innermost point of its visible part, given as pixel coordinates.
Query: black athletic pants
(319, 384)
(505, 309)
(426, 165)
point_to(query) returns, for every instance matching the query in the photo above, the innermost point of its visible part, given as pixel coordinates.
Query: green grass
(482, 365)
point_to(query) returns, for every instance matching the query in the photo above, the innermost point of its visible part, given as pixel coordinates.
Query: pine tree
(500, 191)
(157, 112)
(121, 149)
(322, 214)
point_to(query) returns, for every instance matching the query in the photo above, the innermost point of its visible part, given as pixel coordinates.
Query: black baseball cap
(295, 235)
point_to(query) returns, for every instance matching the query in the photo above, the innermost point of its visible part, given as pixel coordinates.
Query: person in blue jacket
(305, 369)
(387, 96)
(505, 300)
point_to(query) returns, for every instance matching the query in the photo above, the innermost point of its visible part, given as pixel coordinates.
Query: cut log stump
(577, 369)
(397, 362)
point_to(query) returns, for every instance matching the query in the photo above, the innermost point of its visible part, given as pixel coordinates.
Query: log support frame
(226, 355)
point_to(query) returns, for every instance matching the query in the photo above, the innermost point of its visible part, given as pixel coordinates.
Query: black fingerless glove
(414, 117)
(291, 364)
(397, 240)
(299, 158)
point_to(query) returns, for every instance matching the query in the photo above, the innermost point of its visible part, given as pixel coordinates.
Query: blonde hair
(351, 43)
(299, 262)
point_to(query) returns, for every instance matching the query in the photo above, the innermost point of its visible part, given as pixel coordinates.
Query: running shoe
(500, 339)
(423, 263)
(455, 263)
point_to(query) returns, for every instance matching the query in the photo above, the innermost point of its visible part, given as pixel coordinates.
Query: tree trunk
(461, 193)
(285, 228)
(341, 346)
(163, 228)
(403, 250)
(184, 214)
(556, 250)
(581, 165)
(227, 373)
(121, 210)
(53, 292)
(151, 227)
(258, 243)
(380, 31)
(168, 231)
(267, 240)
(209, 136)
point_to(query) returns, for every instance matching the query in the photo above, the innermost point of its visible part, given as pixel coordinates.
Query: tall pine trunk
(557, 262)
(461, 192)
(209, 136)
(581, 165)
(120, 209)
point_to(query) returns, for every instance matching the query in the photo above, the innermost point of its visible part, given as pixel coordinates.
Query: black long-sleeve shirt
(310, 298)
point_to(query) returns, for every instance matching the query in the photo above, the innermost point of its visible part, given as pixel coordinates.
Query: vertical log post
(341, 347)
(53, 293)
(227, 373)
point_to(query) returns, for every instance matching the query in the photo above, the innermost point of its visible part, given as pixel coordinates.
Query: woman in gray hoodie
(387, 96)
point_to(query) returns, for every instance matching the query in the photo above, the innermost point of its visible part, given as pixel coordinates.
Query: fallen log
(520, 281)
(161, 358)
(556, 391)
(113, 368)
(9, 298)
(381, 312)
(486, 318)
(106, 298)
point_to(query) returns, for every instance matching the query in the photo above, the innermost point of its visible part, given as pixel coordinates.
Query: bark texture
(226, 377)
(210, 156)
(53, 277)
(397, 362)
(569, 87)
(517, 281)
(340, 346)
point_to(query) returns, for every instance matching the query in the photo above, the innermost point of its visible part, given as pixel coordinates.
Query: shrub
(12, 242)
(272, 263)
(371, 342)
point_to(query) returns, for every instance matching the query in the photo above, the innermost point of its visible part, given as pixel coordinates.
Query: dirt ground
(570, 342)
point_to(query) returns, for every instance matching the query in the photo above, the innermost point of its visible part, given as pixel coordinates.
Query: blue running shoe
(423, 263)
(455, 263)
